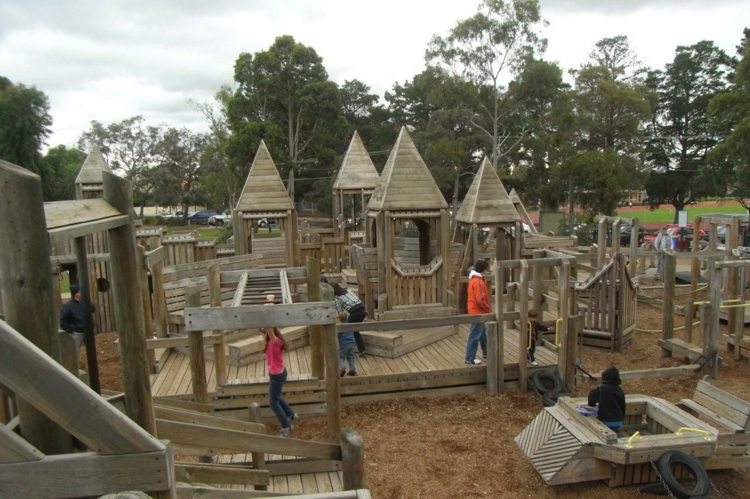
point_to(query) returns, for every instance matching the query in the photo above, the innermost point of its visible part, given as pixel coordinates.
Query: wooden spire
(357, 171)
(487, 202)
(264, 190)
(406, 183)
(92, 168)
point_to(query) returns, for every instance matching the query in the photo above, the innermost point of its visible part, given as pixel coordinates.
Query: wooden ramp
(394, 344)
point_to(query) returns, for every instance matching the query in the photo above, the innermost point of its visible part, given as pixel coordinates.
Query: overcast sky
(109, 60)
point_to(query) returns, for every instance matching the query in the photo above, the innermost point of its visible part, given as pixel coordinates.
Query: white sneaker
(477, 361)
(534, 363)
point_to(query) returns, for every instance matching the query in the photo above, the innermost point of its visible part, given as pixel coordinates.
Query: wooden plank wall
(180, 248)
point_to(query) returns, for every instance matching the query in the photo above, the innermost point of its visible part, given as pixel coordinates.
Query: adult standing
(348, 302)
(477, 302)
(275, 348)
(71, 316)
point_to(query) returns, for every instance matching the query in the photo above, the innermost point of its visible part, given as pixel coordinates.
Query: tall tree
(612, 106)
(729, 161)
(60, 167)
(285, 97)
(683, 131)
(128, 147)
(175, 176)
(485, 49)
(24, 124)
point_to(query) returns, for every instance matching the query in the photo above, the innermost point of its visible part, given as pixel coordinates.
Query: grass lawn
(667, 215)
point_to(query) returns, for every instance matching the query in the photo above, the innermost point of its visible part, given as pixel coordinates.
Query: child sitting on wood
(609, 398)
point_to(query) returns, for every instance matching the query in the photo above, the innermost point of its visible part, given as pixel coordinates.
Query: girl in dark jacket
(609, 398)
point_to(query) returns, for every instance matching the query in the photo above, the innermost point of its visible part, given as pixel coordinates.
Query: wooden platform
(445, 354)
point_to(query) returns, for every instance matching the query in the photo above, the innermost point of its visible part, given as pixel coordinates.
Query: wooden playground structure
(187, 313)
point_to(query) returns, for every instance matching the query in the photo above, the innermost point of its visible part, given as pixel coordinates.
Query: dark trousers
(358, 314)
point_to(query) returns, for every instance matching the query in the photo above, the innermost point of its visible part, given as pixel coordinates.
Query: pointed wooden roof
(357, 171)
(487, 202)
(92, 168)
(406, 183)
(264, 190)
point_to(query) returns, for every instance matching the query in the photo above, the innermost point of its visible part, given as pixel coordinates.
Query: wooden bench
(731, 415)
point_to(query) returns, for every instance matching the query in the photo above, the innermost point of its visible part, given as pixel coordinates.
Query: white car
(220, 219)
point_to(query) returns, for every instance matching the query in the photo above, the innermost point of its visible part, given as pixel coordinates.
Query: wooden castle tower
(264, 197)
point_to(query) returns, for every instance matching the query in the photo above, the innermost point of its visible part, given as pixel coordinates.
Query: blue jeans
(278, 405)
(346, 354)
(477, 338)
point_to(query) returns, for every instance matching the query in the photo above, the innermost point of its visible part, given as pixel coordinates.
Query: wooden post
(499, 288)
(523, 335)
(259, 458)
(492, 360)
(128, 310)
(711, 350)
(706, 314)
(317, 365)
(695, 264)
(352, 460)
(220, 348)
(689, 316)
(735, 316)
(740, 322)
(670, 263)
(601, 241)
(197, 356)
(568, 339)
(333, 409)
(632, 258)
(537, 273)
(160, 301)
(26, 288)
(88, 320)
(146, 299)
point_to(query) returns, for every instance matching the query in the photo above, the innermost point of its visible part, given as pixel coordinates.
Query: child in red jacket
(477, 302)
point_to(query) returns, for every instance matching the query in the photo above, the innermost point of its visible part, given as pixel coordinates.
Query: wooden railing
(122, 456)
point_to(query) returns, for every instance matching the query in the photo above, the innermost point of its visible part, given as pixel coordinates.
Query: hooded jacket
(477, 294)
(609, 397)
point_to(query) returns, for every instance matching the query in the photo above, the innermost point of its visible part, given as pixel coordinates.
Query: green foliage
(60, 167)
(24, 124)
(682, 131)
(284, 96)
(730, 159)
(483, 49)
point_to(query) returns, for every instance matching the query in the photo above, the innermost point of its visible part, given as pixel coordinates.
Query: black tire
(702, 482)
(220, 223)
(546, 382)
(549, 399)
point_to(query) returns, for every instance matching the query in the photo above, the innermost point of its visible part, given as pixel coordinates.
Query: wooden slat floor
(448, 353)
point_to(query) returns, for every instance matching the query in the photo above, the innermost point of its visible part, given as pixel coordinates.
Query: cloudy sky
(109, 60)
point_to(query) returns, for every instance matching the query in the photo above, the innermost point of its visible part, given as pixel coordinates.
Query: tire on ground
(702, 482)
(546, 382)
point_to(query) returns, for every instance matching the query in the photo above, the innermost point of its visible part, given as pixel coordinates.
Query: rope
(678, 328)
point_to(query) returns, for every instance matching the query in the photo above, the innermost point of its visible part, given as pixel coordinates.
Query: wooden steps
(250, 349)
(395, 344)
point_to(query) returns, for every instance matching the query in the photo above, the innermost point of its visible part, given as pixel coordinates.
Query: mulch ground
(462, 446)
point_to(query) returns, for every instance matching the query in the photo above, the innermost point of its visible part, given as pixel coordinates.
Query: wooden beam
(257, 316)
(220, 473)
(26, 291)
(87, 474)
(352, 455)
(202, 418)
(197, 355)
(128, 310)
(60, 395)
(207, 436)
(316, 332)
(220, 348)
(427, 322)
(333, 388)
(13, 448)
(63, 234)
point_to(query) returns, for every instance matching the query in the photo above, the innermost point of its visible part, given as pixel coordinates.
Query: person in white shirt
(662, 242)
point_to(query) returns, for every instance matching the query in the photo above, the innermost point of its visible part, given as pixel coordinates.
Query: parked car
(201, 217)
(220, 219)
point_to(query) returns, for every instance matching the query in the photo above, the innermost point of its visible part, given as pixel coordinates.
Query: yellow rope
(558, 324)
